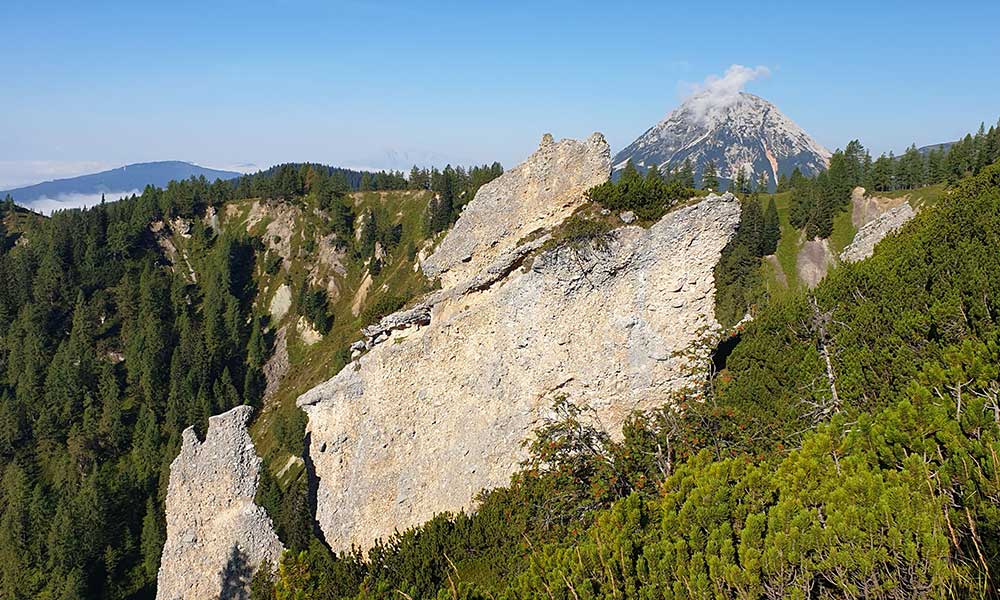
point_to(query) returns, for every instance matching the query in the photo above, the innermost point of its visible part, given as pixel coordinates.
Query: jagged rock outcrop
(874, 231)
(216, 535)
(422, 423)
(537, 194)
(278, 364)
(867, 207)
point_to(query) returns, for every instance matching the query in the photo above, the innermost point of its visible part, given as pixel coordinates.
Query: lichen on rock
(216, 536)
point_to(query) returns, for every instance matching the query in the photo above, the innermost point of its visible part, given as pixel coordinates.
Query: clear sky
(92, 84)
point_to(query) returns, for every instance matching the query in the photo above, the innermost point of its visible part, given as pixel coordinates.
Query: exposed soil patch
(814, 262)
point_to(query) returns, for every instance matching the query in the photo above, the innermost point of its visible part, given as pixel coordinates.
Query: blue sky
(86, 85)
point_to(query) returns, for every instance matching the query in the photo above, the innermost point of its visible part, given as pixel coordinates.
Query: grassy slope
(843, 234)
(313, 364)
(310, 365)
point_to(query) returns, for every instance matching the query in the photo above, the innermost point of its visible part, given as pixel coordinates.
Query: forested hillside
(123, 324)
(848, 448)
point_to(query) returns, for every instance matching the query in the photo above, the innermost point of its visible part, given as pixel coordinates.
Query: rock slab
(538, 193)
(874, 231)
(420, 424)
(216, 536)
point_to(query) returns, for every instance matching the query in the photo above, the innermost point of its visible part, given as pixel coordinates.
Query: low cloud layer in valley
(47, 206)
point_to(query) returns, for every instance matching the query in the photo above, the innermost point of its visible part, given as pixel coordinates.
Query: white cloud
(243, 167)
(716, 94)
(47, 206)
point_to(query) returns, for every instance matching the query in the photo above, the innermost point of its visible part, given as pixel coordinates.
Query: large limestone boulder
(216, 536)
(535, 195)
(437, 409)
(875, 230)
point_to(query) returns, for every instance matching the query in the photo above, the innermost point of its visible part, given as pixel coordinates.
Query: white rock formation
(423, 422)
(281, 302)
(216, 535)
(867, 207)
(874, 231)
(537, 194)
(814, 261)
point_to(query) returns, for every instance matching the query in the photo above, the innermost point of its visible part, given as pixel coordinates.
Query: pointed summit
(734, 131)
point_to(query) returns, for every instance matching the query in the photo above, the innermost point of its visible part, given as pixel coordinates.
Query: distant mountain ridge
(123, 179)
(739, 131)
(925, 150)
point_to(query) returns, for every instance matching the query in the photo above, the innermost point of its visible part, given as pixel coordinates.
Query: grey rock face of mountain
(438, 407)
(739, 132)
(216, 536)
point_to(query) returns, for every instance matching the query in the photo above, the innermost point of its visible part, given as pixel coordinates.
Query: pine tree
(685, 175)
(796, 179)
(224, 392)
(111, 428)
(152, 538)
(629, 175)
(254, 381)
(145, 445)
(772, 229)
(710, 177)
(752, 226)
(763, 183)
(740, 183)
(782, 184)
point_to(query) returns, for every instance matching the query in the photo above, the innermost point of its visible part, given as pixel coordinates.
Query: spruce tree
(752, 226)
(151, 540)
(366, 183)
(772, 229)
(763, 183)
(685, 175)
(782, 183)
(629, 175)
(710, 177)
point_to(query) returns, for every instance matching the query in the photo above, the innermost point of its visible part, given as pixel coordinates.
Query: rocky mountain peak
(737, 131)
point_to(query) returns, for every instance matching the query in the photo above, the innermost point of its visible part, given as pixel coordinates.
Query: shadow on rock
(236, 576)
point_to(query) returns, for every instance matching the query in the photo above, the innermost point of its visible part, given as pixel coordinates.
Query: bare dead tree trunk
(819, 322)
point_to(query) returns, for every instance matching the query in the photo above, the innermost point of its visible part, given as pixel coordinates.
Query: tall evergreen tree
(710, 177)
(772, 229)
